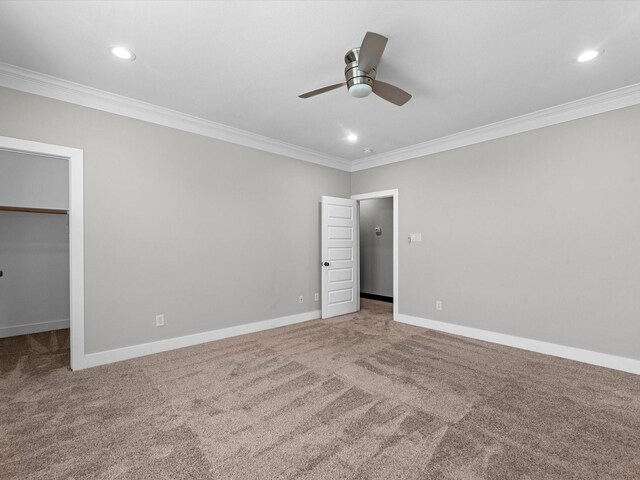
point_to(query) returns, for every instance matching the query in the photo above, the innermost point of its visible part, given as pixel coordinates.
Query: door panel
(340, 290)
(340, 275)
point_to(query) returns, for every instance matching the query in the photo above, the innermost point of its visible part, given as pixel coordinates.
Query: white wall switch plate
(316, 297)
(415, 237)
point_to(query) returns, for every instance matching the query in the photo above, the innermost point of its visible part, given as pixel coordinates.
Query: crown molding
(600, 103)
(29, 81)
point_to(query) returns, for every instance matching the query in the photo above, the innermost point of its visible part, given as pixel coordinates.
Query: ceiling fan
(360, 73)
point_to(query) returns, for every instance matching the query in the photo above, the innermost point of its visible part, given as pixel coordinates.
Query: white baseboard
(586, 356)
(33, 328)
(125, 353)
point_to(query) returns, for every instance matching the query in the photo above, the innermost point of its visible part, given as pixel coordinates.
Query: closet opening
(34, 256)
(41, 254)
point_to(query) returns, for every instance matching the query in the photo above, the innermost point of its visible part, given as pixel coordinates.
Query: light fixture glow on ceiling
(352, 137)
(588, 55)
(123, 53)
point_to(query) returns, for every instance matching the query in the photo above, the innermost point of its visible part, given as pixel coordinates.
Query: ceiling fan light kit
(360, 73)
(359, 82)
(360, 90)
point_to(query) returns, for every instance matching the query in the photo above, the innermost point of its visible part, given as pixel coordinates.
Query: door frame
(75, 157)
(393, 193)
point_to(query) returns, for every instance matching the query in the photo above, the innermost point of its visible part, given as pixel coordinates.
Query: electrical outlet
(438, 305)
(160, 320)
(300, 299)
(316, 297)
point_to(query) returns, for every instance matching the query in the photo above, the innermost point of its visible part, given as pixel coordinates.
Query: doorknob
(326, 264)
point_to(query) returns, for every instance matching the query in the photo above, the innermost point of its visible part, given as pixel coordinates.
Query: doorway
(340, 252)
(49, 221)
(380, 243)
(376, 249)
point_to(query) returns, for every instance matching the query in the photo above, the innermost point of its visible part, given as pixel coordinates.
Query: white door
(340, 275)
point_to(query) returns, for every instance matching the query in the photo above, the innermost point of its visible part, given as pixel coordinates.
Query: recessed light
(123, 53)
(352, 137)
(589, 55)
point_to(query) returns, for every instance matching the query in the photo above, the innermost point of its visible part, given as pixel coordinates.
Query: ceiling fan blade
(391, 93)
(371, 51)
(322, 90)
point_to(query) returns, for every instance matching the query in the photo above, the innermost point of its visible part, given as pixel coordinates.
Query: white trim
(578, 354)
(600, 103)
(33, 328)
(396, 246)
(125, 353)
(76, 232)
(24, 80)
(29, 81)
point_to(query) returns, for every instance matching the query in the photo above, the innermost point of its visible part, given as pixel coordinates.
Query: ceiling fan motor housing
(353, 74)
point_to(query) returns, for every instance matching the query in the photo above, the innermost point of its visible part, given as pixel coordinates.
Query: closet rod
(34, 210)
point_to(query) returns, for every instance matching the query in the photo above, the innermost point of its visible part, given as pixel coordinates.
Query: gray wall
(209, 233)
(33, 181)
(535, 235)
(376, 251)
(34, 256)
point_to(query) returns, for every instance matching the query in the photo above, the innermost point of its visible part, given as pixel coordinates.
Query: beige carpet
(356, 397)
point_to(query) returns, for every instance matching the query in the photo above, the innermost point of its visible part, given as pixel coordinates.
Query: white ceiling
(243, 64)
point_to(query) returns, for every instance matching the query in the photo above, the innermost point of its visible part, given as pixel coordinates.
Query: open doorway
(340, 252)
(376, 249)
(34, 258)
(41, 251)
(378, 246)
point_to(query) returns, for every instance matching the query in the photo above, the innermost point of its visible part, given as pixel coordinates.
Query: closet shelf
(33, 210)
